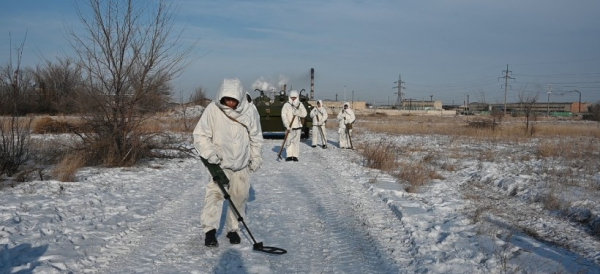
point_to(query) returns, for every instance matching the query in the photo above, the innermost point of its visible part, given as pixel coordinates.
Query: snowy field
(329, 212)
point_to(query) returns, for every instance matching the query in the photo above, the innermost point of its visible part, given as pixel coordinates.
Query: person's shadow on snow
(19, 257)
(231, 262)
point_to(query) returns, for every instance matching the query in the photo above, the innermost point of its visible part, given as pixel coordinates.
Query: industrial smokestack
(312, 84)
(284, 88)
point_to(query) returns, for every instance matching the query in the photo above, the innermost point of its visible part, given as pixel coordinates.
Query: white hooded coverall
(346, 116)
(293, 109)
(235, 145)
(319, 117)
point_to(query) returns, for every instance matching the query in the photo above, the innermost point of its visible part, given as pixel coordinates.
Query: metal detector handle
(216, 172)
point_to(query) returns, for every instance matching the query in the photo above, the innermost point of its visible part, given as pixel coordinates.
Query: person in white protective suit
(346, 117)
(228, 134)
(319, 117)
(291, 113)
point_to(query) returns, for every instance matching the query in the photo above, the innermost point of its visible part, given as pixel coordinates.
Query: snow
(329, 212)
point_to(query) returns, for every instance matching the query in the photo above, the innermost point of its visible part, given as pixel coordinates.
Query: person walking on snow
(291, 113)
(346, 118)
(319, 117)
(228, 134)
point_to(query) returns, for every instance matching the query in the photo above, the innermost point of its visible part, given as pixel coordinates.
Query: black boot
(234, 238)
(324, 146)
(295, 159)
(314, 146)
(211, 238)
(288, 159)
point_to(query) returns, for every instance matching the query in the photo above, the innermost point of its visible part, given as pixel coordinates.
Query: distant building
(541, 107)
(414, 104)
(336, 106)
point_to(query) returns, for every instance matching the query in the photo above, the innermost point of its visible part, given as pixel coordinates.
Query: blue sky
(445, 49)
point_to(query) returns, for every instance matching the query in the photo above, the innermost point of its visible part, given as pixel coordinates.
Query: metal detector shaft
(323, 141)
(221, 180)
(349, 137)
(287, 132)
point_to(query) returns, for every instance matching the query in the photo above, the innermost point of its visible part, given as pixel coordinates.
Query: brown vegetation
(65, 170)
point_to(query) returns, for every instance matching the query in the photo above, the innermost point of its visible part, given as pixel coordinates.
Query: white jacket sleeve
(256, 140)
(286, 115)
(351, 117)
(325, 115)
(313, 113)
(203, 133)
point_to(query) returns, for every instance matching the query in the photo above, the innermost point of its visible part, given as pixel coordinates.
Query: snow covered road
(327, 211)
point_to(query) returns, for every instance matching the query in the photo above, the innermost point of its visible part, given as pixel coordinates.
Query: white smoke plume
(266, 84)
(283, 80)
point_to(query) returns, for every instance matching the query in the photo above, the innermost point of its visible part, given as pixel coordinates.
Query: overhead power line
(506, 77)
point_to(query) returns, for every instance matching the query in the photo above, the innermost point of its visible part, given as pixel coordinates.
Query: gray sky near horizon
(445, 50)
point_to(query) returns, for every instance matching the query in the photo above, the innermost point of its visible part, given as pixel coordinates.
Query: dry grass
(416, 175)
(46, 124)
(380, 155)
(581, 148)
(509, 129)
(58, 124)
(66, 169)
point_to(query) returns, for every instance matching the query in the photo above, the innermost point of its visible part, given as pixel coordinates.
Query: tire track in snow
(347, 234)
(382, 219)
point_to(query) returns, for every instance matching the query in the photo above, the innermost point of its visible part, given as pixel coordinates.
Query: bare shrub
(14, 144)
(416, 174)
(199, 97)
(483, 124)
(448, 166)
(380, 155)
(65, 170)
(57, 84)
(551, 201)
(594, 111)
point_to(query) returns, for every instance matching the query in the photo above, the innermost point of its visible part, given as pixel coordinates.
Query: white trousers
(344, 141)
(316, 136)
(293, 143)
(239, 190)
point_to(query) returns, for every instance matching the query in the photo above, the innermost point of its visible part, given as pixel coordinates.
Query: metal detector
(221, 179)
(349, 137)
(287, 132)
(323, 141)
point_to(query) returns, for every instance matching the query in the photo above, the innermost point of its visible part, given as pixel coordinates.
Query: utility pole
(548, 106)
(506, 77)
(468, 108)
(400, 88)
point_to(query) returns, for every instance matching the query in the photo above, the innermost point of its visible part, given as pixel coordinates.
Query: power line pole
(400, 88)
(548, 106)
(506, 77)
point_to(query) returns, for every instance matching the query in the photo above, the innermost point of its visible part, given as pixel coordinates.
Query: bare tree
(594, 111)
(128, 56)
(527, 102)
(15, 83)
(57, 85)
(199, 97)
(14, 131)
